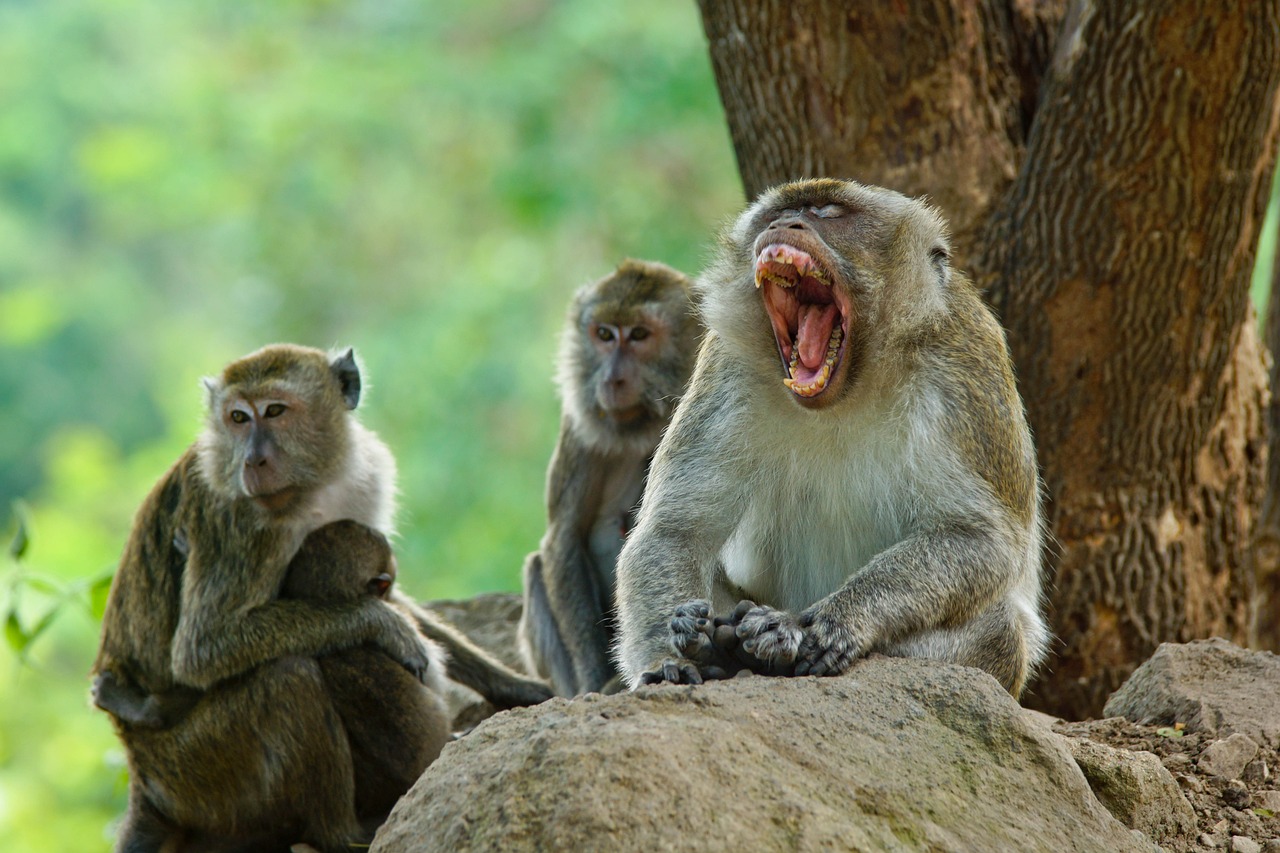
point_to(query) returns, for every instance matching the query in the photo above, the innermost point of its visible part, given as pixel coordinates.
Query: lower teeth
(820, 382)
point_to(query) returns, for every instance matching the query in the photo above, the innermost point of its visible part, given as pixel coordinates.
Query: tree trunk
(1107, 186)
(1265, 625)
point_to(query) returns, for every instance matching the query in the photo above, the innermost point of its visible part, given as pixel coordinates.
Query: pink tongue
(814, 333)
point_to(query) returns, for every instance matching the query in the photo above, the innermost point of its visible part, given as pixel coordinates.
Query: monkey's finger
(725, 638)
(671, 672)
(714, 673)
(686, 617)
(693, 646)
(689, 674)
(651, 677)
(698, 608)
(741, 609)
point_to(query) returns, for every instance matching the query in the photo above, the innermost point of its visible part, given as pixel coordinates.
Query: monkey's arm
(473, 667)
(229, 622)
(940, 577)
(693, 500)
(578, 596)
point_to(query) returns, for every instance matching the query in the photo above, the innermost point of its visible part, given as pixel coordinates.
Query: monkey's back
(137, 639)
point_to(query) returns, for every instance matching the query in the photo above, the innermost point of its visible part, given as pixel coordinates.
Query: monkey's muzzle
(809, 315)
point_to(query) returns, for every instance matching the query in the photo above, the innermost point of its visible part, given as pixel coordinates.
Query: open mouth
(810, 317)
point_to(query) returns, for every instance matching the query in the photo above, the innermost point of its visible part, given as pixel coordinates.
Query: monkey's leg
(265, 755)
(144, 829)
(995, 641)
(544, 644)
(395, 724)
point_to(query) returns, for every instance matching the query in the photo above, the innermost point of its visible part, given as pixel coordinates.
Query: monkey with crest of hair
(625, 355)
(196, 612)
(851, 456)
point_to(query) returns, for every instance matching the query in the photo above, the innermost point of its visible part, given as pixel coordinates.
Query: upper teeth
(777, 253)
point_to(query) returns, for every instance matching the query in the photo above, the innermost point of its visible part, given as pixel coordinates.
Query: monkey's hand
(693, 639)
(772, 637)
(829, 646)
(124, 702)
(400, 639)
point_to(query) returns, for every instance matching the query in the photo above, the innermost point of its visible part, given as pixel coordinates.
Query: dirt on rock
(1226, 808)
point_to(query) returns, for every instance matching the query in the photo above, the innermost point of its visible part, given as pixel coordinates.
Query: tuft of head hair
(333, 375)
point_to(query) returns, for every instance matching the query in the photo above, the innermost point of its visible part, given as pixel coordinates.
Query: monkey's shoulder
(972, 374)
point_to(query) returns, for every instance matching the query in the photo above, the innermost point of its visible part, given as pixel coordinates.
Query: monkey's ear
(347, 372)
(941, 260)
(212, 385)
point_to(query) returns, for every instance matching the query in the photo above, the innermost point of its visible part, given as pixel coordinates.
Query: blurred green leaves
(181, 183)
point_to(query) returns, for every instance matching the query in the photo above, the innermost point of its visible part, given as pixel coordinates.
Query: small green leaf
(45, 621)
(1264, 812)
(21, 539)
(14, 635)
(99, 590)
(1169, 731)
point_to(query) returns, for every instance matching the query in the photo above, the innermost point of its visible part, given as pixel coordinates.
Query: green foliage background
(181, 183)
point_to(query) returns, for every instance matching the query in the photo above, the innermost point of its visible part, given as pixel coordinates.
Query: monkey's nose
(789, 222)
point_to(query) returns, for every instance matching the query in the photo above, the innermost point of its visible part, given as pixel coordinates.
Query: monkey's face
(623, 346)
(277, 428)
(256, 425)
(807, 297)
(817, 277)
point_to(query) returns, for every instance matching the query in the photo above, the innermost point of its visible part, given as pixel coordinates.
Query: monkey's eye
(827, 211)
(639, 333)
(275, 410)
(239, 417)
(604, 333)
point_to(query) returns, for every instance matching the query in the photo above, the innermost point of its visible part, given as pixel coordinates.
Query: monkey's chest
(801, 541)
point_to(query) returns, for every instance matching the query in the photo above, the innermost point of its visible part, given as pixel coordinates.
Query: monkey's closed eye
(827, 211)
(239, 417)
(275, 410)
(639, 333)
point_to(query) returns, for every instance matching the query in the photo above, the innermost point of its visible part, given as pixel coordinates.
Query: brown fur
(194, 606)
(618, 396)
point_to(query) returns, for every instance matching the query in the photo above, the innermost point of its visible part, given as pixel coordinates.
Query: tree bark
(1265, 624)
(1107, 187)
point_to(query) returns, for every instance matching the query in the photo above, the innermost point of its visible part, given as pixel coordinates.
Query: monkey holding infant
(265, 698)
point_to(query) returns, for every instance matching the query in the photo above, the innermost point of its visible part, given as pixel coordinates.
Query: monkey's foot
(829, 647)
(673, 671)
(771, 636)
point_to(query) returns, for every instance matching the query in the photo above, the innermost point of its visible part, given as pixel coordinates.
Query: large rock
(1136, 788)
(895, 755)
(490, 621)
(1211, 685)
